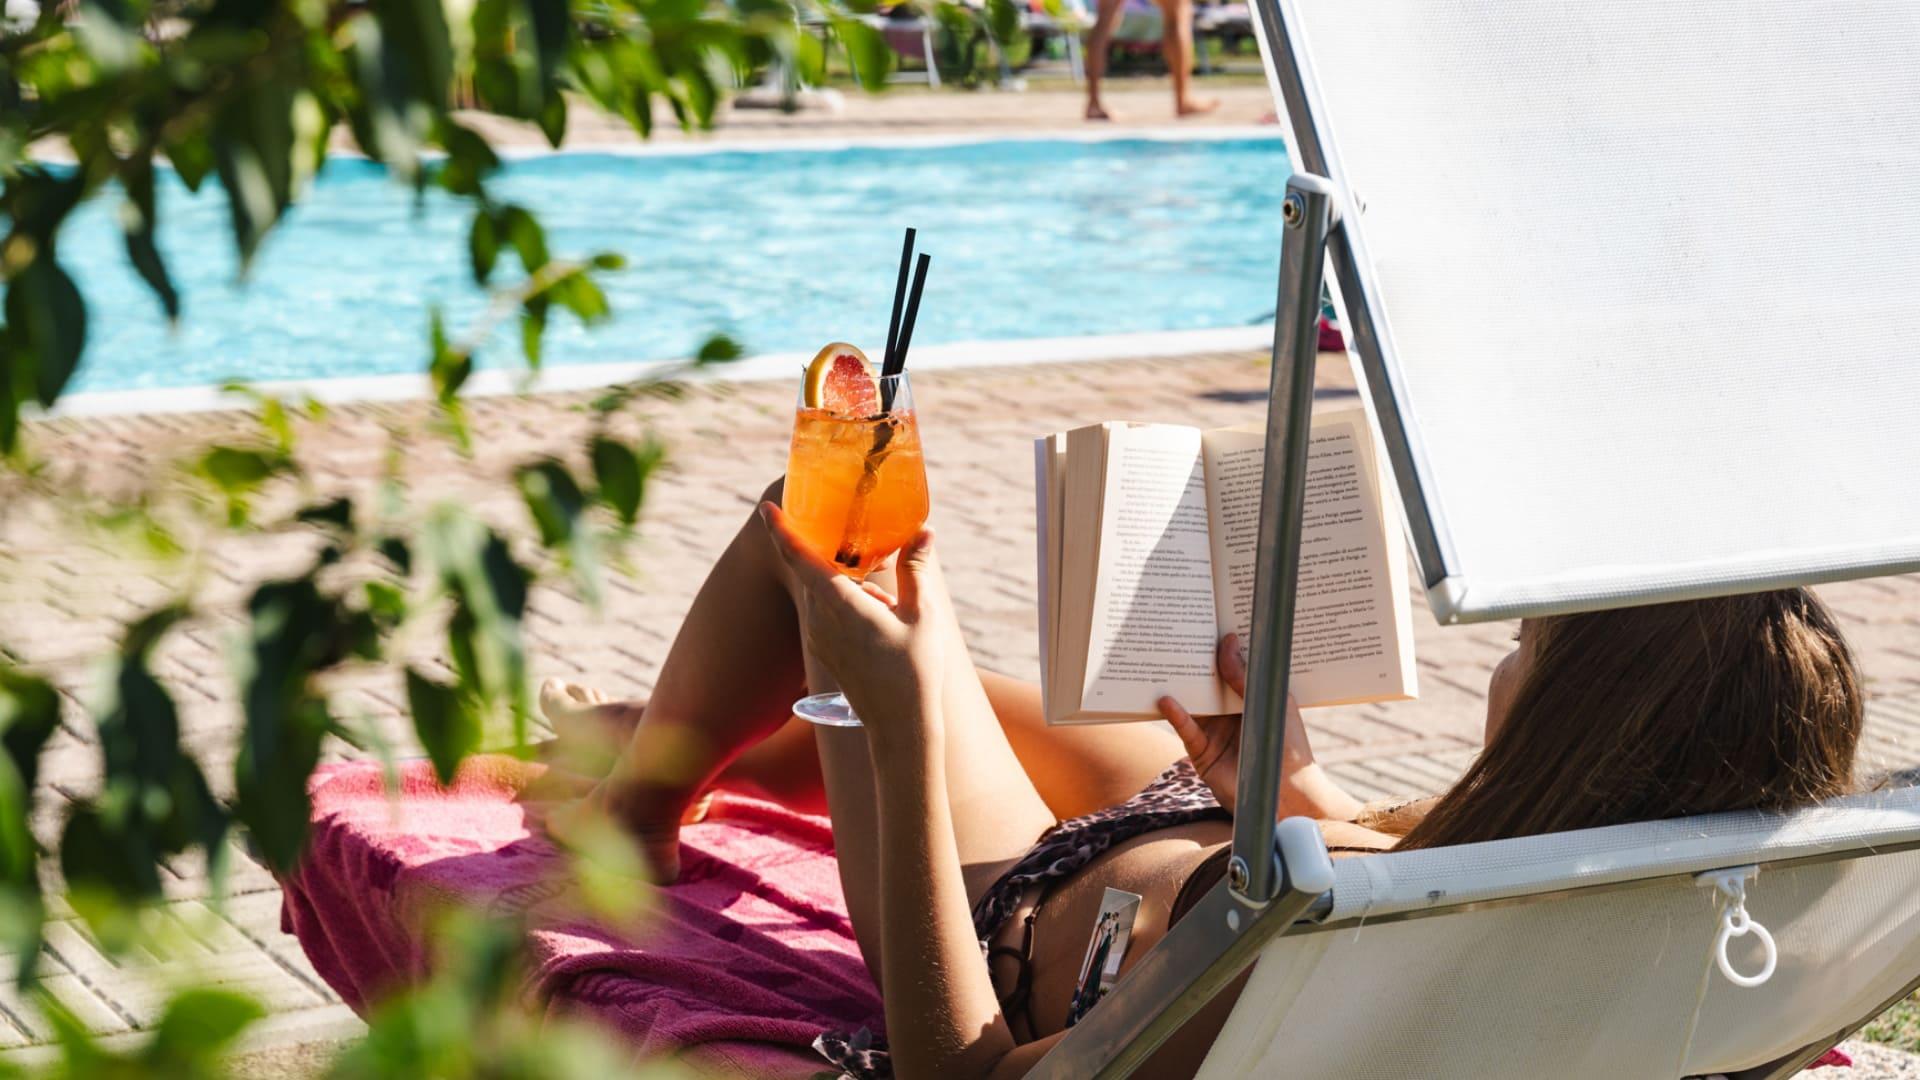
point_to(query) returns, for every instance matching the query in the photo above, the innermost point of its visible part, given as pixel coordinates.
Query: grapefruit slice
(841, 381)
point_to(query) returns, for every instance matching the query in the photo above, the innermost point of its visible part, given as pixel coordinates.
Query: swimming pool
(785, 249)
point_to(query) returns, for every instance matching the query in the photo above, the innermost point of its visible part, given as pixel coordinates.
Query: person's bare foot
(585, 714)
(1095, 111)
(592, 729)
(1196, 106)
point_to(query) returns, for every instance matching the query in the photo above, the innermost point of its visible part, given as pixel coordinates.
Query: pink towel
(749, 957)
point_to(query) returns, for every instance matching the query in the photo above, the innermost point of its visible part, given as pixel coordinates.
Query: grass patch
(1898, 1027)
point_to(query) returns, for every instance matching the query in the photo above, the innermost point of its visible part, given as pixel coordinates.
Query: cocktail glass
(856, 492)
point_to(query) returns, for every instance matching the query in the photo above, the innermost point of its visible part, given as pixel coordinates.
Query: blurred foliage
(251, 97)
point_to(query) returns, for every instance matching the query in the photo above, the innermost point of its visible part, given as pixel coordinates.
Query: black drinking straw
(899, 294)
(898, 363)
(896, 360)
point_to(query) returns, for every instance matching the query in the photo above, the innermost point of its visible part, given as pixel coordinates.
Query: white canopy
(1635, 285)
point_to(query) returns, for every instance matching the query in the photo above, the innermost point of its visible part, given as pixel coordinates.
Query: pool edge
(563, 377)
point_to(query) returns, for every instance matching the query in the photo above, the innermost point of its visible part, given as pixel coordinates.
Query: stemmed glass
(856, 492)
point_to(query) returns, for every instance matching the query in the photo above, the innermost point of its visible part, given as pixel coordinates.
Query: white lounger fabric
(1648, 277)
(1595, 984)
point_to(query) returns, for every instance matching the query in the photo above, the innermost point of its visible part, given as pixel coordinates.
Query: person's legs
(1078, 769)
(729, 683)
(1176, 44)
(1099, 40)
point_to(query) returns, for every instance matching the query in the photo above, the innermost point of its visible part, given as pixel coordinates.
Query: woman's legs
(1176, 44)
(729, 683)
(1076, 770)
(1099, 41)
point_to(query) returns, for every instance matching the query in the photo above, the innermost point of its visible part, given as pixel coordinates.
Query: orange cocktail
(857, 485)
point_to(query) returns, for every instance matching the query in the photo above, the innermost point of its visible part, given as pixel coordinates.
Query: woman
(951, 809)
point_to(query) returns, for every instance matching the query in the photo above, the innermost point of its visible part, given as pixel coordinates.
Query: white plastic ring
(1735, 924)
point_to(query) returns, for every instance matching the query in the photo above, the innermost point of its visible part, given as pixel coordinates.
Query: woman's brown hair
(1639, 714)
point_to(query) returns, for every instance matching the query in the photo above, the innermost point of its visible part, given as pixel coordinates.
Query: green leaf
(237, 471)
(448, 729)
(337, 513)
(199, 1025)
(524, 233)
(608, 260)
(234, 468)
(191, 156)
(1003, 20)
(489, 591)
(29, 714)
(483, 246)
(553, 118)
(137, 223)
(296, 633)
(867, 51)
(253, 152)
(48, 319)
(533, 327)
(387, 603)
(552, 32)
(107, 860)
(718, 349)
(553, 499)
(617, 472)
(809, 58)
(153, 802)
(470, 160)
(580, 295)
(395, 551)
(449, 367)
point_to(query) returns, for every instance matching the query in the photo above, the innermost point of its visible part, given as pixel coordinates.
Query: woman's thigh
(1078, 769)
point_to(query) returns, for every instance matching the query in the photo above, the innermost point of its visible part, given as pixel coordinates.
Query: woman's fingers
(1231, 659)
(1185, 726)
(815, 574)
(917, 573)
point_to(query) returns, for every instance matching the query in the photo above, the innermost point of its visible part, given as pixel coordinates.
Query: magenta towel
(745, 961)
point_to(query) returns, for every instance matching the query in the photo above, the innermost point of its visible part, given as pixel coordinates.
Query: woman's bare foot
(1196, 106)
(592, 729)
(1095, 111)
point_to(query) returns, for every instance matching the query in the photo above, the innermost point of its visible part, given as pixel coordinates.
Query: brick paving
(62, 598)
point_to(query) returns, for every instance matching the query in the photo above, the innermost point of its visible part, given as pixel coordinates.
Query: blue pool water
(785, 250)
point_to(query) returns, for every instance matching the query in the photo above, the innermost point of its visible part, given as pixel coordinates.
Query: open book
(1147, 539)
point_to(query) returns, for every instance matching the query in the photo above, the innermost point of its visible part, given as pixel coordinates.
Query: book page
(1350, 610)
(1153, 620)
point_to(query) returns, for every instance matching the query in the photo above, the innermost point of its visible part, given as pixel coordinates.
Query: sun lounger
(1669, 205)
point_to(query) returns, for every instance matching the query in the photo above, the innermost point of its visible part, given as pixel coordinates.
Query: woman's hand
(884, 650)
(1213, 744)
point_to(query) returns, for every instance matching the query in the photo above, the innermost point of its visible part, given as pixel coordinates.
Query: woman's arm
(943, 1019)
(942, 1016)
(1213, 745)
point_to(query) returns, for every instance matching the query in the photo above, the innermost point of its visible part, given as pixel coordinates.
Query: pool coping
(953, 356)
(695, 145)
